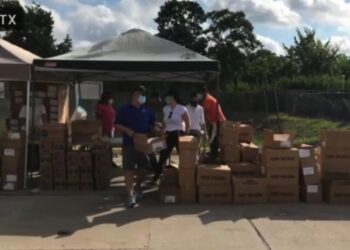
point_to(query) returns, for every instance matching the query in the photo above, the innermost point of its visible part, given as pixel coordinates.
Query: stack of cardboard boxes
(52, 151)
(84, 131)
(169, 190)
(229, 143)
(214, 184)
(102, 157)
(335, 164)
(12, 161)
(281, 165)
(188, 161)
(310, 175)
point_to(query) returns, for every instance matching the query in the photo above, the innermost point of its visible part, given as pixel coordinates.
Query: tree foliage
(181, 22)
(311, 56)
(37, 34)
(232, 41)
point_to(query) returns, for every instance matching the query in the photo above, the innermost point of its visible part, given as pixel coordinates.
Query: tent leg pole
(27, 136)
(77, 94)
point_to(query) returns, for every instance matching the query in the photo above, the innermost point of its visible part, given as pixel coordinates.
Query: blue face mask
(142, 99)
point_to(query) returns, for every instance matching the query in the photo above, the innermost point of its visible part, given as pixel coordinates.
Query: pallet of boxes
(280, 163)
(12, 171)
(335, 165)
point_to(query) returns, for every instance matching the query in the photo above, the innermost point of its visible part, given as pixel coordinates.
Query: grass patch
(308, 129)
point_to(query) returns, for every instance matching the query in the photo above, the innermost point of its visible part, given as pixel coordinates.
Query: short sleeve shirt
(212, 110)
(39, 111)
(140, 120)
(173, 118)
(196, 116)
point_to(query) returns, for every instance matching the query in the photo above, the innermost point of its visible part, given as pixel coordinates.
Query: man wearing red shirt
(214, 116)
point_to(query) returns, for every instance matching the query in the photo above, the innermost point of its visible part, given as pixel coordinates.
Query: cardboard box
(311, 174)
(283, 193)
(213, 175)
(249, 152)
(188, 158)
(336, 173)
(306, 154)
(335, 157)
(45, 148)
(170, 176)
(246, 132)
(147, 145)
(282, 176)
(281, 158)
(187, 177)
(215, 194)
(188, 143)
(59, 160)
(229, 133)
(58, 147)
(169, 194)
(83, 131)
(244, 168)
(188, 194)
(12, 140)
(249, 189)
(337, 191)
(335, 139)
(53, 132)
(230, 153)
(273, 140)
(85, 160)
(311, 193)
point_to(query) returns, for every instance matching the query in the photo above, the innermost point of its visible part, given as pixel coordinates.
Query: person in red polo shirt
(214, 116)
(106, 112)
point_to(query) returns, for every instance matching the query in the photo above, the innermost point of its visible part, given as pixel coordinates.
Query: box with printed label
(283, 193)
(280, 158)
(170, 176)
(12, 140)
(244, 168)
(335, 157)
(187, 177)
(311, 193)
(215, 194)
(230, 153)
(188, 194)
(147, 145)
(335, 139)
(212, 175)
(273, 140)
(311, 174)
(306, 155)
(249, 152)
(188, 158)
(246, 132)
(169, 194)
(188, 143)
(337, 191)
(282, 176)
(249, 189)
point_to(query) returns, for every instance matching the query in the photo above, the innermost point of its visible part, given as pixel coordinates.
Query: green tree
(343, 66)
(264, 67)
(181, 22)
(232, 41)
(311, 56)
(37, 33)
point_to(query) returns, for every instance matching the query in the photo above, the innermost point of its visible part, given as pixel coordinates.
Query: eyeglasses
(170, 114)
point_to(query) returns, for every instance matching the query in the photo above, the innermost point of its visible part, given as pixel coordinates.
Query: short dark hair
(193, 94)
(174, 94)
(141, 89)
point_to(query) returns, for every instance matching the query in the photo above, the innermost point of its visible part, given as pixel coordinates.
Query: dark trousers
(172, 141)
(214, 146)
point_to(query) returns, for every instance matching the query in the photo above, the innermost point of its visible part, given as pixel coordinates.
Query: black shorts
(133, 160)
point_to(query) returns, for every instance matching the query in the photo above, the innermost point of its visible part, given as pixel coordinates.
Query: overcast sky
(275, 21)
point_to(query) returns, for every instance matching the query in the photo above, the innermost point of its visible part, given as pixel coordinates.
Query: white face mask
(199, 96)
(167, 100)
(142, 99)
(110, 101)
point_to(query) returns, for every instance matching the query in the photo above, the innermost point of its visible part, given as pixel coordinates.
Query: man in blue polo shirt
(132, 118)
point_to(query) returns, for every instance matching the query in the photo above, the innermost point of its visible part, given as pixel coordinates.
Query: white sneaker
(132, 201)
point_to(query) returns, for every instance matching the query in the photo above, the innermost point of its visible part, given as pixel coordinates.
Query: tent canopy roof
(15, 62)
(134, 55)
